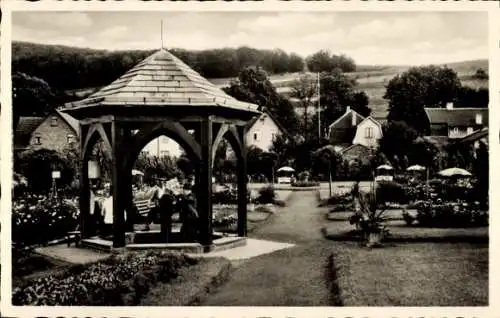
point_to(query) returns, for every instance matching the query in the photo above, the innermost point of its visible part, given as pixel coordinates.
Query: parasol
(416, 168)
(287, 169)
(452, 172)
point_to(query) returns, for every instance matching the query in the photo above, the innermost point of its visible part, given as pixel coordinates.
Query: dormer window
(53, 121)
(479, 119)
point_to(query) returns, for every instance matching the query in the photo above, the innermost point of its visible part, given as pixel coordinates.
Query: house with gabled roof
(342, 131)
(58, 131)
(456, 123)
(262, 130)
(353, 129)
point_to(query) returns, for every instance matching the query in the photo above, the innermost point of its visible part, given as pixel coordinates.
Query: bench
(143, 206)
(73, 237)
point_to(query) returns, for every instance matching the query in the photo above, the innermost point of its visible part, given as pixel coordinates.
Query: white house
(368, 133)
(163, 146)
(262, 130)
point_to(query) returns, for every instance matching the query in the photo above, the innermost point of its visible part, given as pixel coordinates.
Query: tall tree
(253, 86)
(304, 89)
(419, 87)
(337, 92)
(32, 96)
(397, 139)
(324, 61)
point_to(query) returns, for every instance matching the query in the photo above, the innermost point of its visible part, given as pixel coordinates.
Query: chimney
(449, 105)
(348, 109)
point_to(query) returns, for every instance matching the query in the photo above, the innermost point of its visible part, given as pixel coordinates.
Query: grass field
(412, 275)
(372, 80)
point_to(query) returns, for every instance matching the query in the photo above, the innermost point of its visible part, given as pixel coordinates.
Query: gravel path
(290, 277)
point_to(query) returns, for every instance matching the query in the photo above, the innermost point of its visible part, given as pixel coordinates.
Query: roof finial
(162, 46)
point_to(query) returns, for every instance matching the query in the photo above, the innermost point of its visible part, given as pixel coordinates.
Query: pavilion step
(98, 244)
(181, 247)
(228, 242)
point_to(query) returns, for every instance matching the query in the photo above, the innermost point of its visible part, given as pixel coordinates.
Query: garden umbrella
(287, 169)
(416, 168)
(137, 173)
(454, 172)
(384, 167)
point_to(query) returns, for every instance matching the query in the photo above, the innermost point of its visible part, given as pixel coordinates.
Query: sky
(370, 38)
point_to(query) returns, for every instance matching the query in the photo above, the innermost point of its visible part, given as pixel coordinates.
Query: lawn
(427, 274)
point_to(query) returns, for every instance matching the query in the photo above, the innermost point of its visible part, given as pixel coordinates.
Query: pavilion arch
(229, 133)
(170, 129)
(92, 136)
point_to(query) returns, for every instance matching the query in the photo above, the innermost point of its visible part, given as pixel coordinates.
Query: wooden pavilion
(161, 96)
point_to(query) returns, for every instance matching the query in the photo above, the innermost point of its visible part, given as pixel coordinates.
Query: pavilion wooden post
(127, 196)
(242, 185)
(84, 185)
(204, 180)
(118, 186)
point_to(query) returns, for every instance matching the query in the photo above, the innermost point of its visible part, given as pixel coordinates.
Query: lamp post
(55, 175)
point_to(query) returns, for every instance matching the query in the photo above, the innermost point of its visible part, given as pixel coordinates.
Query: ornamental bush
(266, 195)
(39, 219)
(121, 280)
(450, 214)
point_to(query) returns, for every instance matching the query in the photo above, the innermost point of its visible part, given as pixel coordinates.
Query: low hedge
(121, 280)
(305, 184)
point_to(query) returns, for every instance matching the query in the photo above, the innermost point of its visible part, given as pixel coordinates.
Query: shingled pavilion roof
(161, 80)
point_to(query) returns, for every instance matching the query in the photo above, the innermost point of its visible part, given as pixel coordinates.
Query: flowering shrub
(450, 214)
(119, 280)
(340, 198)
(38, 219)
(266, 195)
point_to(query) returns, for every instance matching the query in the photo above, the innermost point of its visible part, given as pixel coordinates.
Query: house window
(455, 130)
(479, 119)
(256, 136)
(53, 121)
(470, 130)
(70, 139)
(38, 140)
(369, 132)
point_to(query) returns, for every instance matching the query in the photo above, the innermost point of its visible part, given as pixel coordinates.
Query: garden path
(294, 276)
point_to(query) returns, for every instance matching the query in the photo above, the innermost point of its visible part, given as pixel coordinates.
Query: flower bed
(449, 214)
(39, 220)
(118, 281)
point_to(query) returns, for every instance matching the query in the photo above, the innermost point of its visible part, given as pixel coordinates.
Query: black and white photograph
(250, 158)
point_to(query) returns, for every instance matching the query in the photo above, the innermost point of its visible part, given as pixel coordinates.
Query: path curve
(295, 276)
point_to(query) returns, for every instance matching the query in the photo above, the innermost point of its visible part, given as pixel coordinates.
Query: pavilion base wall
(220, 244)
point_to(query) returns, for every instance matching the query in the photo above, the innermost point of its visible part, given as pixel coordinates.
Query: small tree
(481, 74)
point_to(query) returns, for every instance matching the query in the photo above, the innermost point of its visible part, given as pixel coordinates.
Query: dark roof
(353, 147)
(439, 141)
(456, 116)
(478, 134)
(25, 127)
(342, 131)
(267, 113)
(161, 80)
(345, 121)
